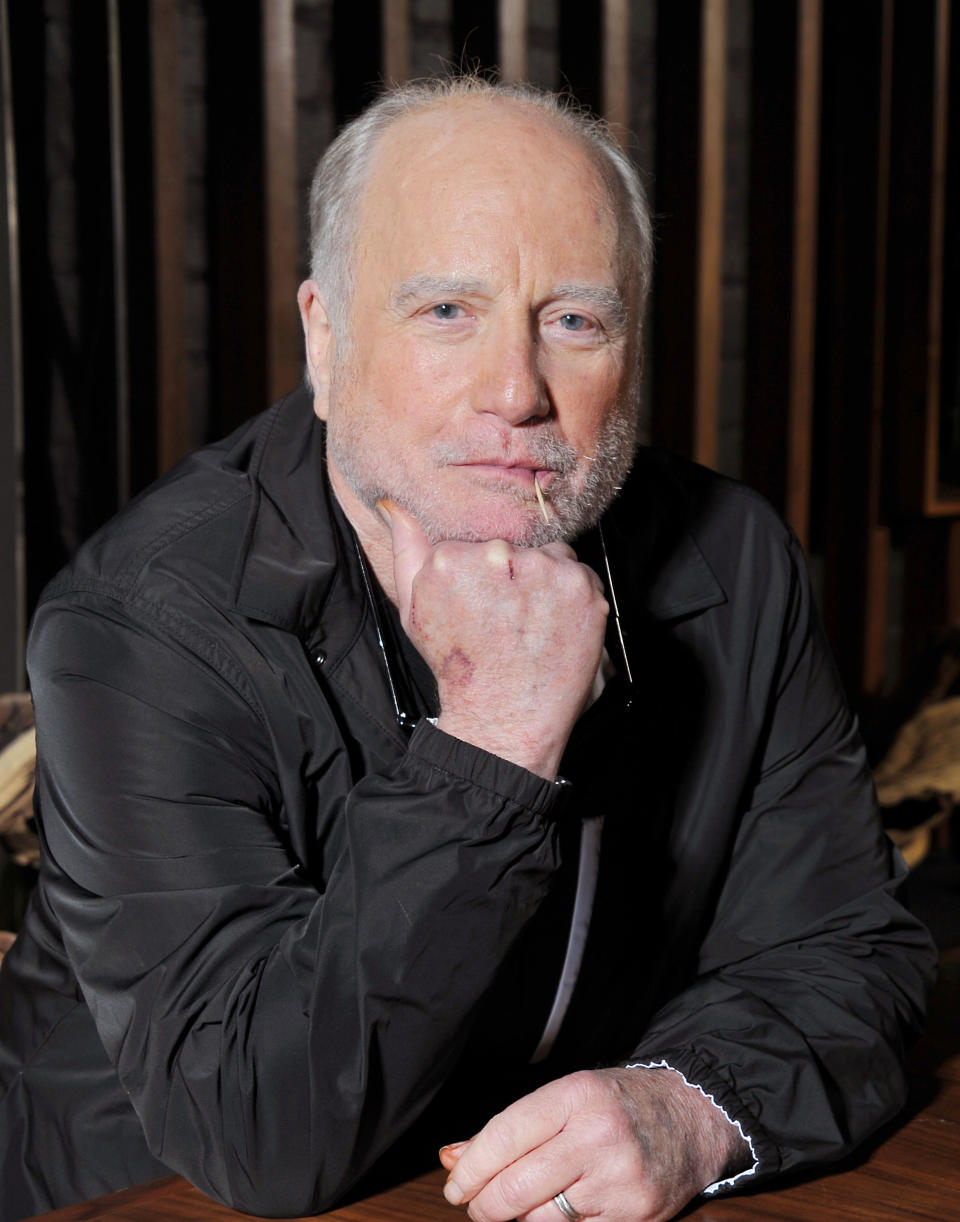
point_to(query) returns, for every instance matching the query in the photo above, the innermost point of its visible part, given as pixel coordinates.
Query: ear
(318, 340)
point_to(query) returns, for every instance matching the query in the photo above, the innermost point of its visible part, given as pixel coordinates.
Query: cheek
(418, 386)
(584, 399)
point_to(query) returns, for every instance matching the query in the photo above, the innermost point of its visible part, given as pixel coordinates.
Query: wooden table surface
(911, 1174)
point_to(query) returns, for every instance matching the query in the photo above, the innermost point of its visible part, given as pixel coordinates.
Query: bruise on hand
(456, 670)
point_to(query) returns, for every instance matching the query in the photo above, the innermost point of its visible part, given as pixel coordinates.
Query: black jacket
(270, 930)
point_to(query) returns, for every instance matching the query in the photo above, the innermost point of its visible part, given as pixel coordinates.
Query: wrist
(536, 755)
(716, 1146)
(728, 1151)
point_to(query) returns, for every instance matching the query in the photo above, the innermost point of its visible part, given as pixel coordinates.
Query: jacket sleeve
(273, 1034)
(811, 977)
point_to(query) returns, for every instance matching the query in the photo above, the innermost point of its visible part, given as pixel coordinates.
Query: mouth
(520, 474)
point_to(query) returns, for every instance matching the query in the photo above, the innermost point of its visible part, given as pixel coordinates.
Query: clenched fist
(623, 1145)
(513, 636)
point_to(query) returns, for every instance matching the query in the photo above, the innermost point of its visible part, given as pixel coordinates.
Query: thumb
(411, 547)
(450, 1155)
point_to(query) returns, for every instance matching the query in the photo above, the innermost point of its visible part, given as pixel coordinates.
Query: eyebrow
(607, 300)
(418, 287)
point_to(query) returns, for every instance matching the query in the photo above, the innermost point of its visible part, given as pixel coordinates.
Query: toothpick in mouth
(543, 504)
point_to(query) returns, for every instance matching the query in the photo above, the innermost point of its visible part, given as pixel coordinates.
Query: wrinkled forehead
(464, 149)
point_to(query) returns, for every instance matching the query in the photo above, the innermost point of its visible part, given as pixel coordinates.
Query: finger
(449, 1155)
(517, 1130)
(530, 1183)
(411, 547)
(550, 1211)
(563, 551)
(559, 551)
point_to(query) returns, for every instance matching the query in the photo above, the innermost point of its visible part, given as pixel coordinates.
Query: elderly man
(365, 822)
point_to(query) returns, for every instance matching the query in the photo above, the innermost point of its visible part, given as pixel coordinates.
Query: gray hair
(344, 170)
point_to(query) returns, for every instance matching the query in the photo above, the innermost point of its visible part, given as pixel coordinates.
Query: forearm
(803, 1044)
(259, 1025)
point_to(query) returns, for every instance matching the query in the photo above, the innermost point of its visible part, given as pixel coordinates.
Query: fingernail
(450, 1155)
(452, 1192)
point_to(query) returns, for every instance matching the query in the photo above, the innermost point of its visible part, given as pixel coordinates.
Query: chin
(482, 530)
(501, 515)
(523, 529)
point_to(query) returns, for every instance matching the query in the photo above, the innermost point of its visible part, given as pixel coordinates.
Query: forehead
(481, 179)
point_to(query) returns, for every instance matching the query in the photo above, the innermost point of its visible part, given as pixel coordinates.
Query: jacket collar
(685, 584)
(296, 558)
(651, 533)
(291, 551)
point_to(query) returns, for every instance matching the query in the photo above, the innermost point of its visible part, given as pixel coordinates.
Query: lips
(512, 472)
(529, 464)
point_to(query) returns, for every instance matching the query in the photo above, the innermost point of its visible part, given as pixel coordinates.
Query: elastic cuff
(730, 1180)
(481, 768)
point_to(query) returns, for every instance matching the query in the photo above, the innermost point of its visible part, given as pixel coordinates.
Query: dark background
(802, 160)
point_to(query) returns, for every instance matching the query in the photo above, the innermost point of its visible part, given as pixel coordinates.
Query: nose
(512, 385)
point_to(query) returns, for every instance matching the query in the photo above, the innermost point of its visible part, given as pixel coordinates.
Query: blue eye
(573, 322)
(444, 310)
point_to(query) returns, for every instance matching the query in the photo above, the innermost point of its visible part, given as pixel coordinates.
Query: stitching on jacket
(510, 800)
(183, 629)
(256, 462)
(136, 564)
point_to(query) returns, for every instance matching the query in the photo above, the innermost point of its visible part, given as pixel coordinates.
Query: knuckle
(587, 1083)
(609, 1128)
(504, 1136)
(513, 1188)
(497, 551)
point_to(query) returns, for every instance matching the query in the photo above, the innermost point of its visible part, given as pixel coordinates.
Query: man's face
(492, 338)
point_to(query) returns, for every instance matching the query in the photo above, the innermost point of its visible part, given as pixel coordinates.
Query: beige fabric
(923, 764)
(17, 769)
(924, 761)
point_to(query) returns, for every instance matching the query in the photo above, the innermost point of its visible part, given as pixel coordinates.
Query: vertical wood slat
(918, 178)
(709, 325)
(782, 267)
(121, 345)
(931, 546)
(938, 189)
(512, 39)
(616, 63)
(283, 357)
(872, 611)
(169, 204)
(13, 612)
(851, 336)
(691, 49)
(395, 23)
(934, 502)
(237, 234)
(804, 248)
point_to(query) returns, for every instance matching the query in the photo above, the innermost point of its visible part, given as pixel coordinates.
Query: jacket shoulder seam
(133, 568)
(178, 625)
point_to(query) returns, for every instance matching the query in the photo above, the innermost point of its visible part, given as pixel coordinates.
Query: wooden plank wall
(14, 605)
(849, 336)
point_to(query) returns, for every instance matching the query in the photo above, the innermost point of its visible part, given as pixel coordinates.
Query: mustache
(544, 451)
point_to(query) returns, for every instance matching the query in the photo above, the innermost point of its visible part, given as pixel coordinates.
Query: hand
(624, 1145)
(513, 636)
